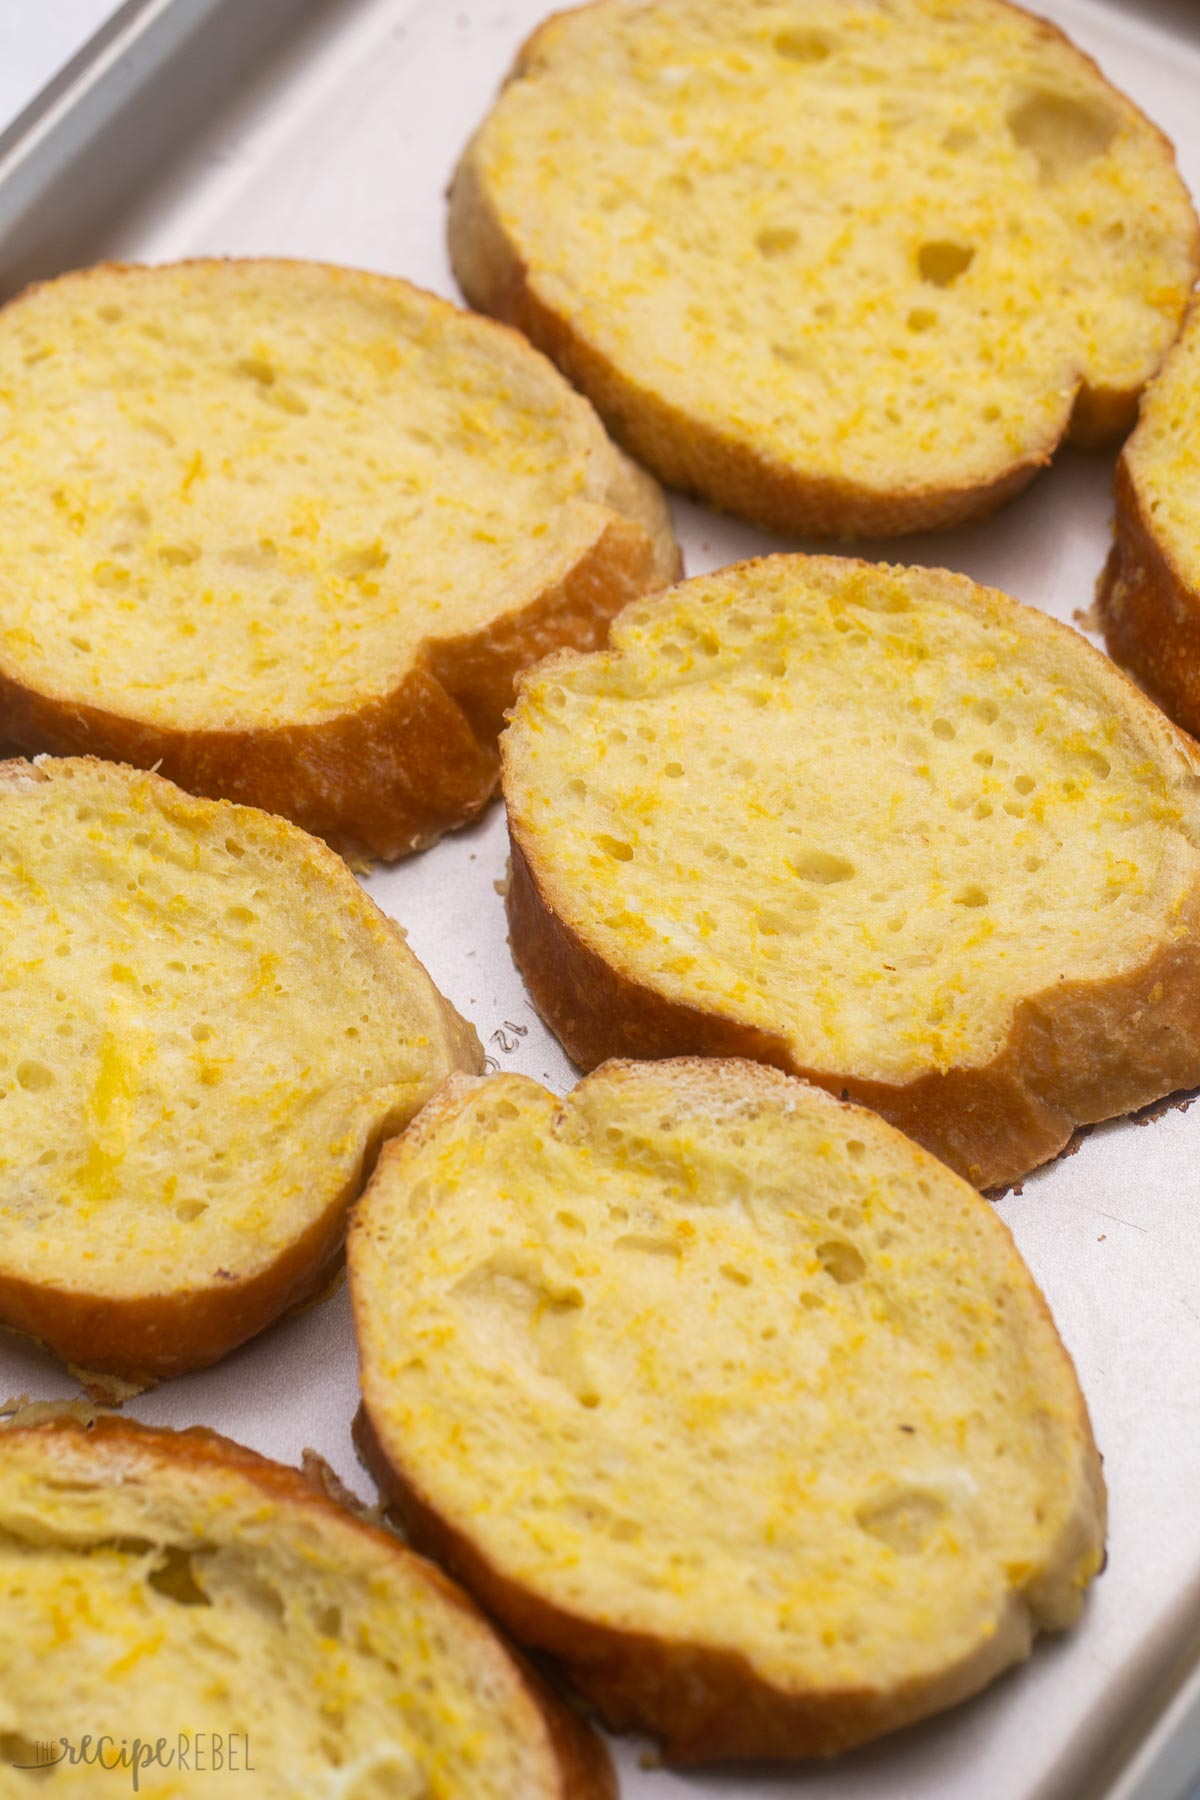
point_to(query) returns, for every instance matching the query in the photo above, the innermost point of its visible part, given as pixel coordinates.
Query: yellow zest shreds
(192, 1008)
(205, 536)
(877, 244)
(787, 792)
(155, 1592)
(761, 1375)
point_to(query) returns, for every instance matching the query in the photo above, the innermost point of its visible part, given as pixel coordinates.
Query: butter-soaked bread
(206, 1029)
(1150, 590)
(288, 532)
(880, 826)
(844, 267)
(172, 1589)
(725, 1393)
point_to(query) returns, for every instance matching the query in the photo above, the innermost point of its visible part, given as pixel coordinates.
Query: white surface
(36, 38)
(344, 154)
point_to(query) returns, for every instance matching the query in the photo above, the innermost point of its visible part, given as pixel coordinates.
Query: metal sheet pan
(310, 128)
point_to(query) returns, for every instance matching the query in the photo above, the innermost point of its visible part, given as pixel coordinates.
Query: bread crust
(719, 466)
(1149, 611)
(582, 1768)
(148, 1338)
(390, 776)
(707, 1703)
(1076, 1053)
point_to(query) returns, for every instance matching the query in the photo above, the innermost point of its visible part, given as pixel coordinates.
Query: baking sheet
(329, 130)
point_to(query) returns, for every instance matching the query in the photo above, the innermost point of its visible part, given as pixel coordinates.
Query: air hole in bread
(776, 240)
(794, 355)
(822, 867)
(646, 1245)
(921, 319)
(842, 1261)
(905, 1521)
(1062, 131)
(35, 1077)
(942, 728)
(256, 368)
(941, 262)
(972, 894)
(179, 556)
(801, 46)
(617, 848)
(175, 1578)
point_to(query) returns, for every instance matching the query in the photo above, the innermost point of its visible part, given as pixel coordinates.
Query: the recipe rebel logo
(188, 1752)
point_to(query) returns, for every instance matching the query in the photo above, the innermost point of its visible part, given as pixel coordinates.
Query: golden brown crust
(151, 1337)
(707, 1703)
(584, 1770)
(1076, 1053)
(686, 452)
(718, 466)
(1149, 613)
(394, 774)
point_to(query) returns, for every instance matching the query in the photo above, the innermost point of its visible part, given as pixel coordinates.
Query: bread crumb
(109, 1390)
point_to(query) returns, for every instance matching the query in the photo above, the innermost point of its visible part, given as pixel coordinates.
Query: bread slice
(289, 531)
(726, 1394)
(206, 1029)
(171, 1589)
(879, 826)
(843, 267)
(1149, 594)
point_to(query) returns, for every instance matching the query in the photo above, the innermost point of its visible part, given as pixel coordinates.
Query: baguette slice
(726, 1394)
(288, 532)
(1149, 594)
(206, 1029)
(844, 267)
(879, 826)
(159, 1586)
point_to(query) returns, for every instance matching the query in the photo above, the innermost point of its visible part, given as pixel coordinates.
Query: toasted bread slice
(725, 1393)
(206, 1029)
(289, 531)
(1149, 594)
(844, 267)
(880, 826)
(186, 1597)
